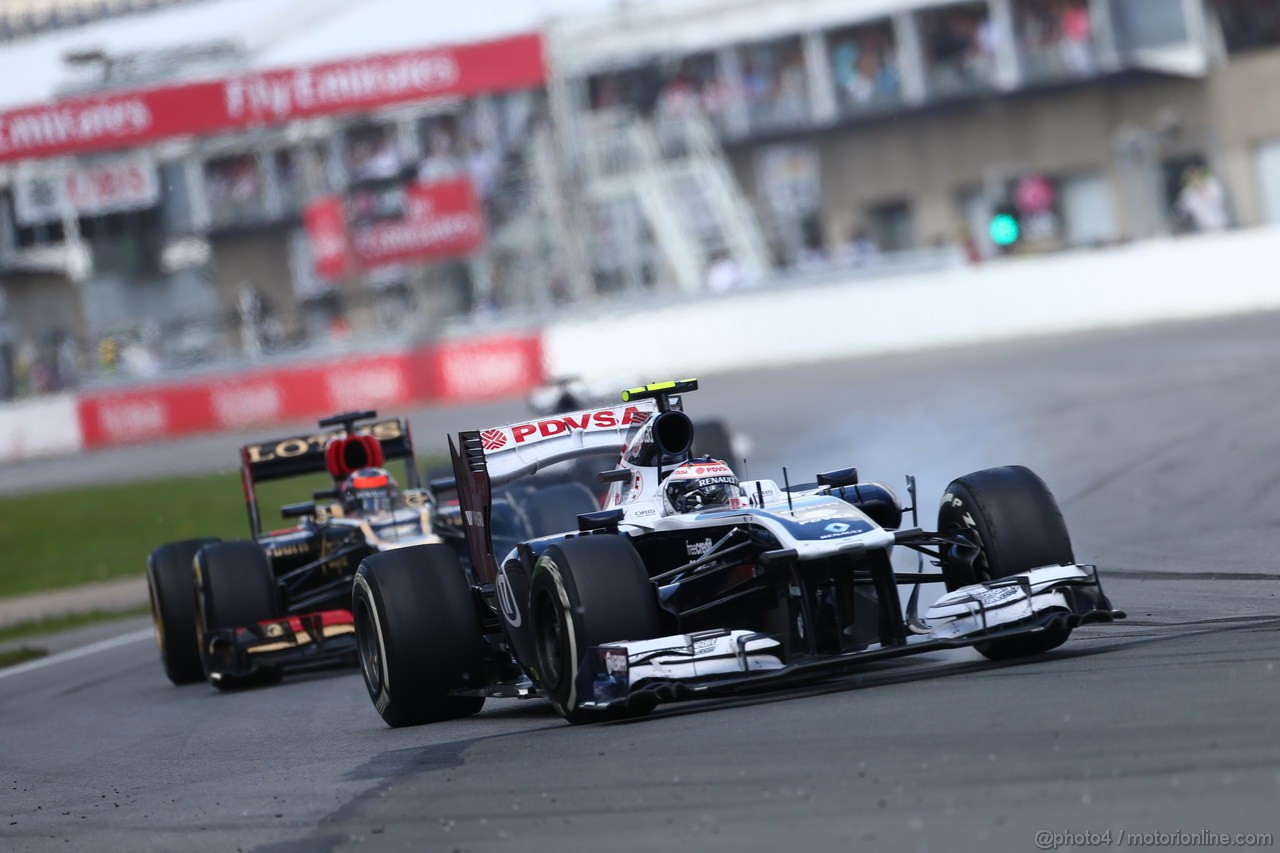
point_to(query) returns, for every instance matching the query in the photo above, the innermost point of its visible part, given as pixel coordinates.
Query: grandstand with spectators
(187, 184)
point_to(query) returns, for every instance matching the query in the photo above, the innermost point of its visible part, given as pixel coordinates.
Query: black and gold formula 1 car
(238, 613)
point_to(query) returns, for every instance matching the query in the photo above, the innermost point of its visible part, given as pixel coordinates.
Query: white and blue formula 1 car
(690, 583)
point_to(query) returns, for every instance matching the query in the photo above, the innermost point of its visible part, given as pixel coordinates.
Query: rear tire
(418, 634)
(171, 588)
(235, 587)
(555, 509)
(1014, 520)
(586, 592)
(711, 438)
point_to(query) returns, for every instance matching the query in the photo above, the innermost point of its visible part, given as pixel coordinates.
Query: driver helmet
(699, 485)
(370, 490)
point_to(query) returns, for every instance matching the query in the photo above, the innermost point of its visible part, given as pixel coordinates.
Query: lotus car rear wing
(297, 455)
(498, 455)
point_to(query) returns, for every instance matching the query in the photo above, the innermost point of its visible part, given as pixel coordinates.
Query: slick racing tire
(1011, 515)
(171, 589)
(235, 587)
(586, 592)
(418, 634)
(711, 438)
(555, 508)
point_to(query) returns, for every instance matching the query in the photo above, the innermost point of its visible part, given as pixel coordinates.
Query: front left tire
(171, 590)
(1013, 518)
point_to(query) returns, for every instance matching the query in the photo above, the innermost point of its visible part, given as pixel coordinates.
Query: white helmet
(699, 485)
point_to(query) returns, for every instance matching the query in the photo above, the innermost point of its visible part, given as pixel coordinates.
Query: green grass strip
(71, 621)
(66, 538)
(13, 657)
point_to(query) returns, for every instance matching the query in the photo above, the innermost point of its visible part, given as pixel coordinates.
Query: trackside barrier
(47, 426)
(449, 371)
(1188, 278)
(1163, 280)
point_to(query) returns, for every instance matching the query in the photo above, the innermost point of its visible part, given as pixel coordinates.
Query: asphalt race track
(1163, 446)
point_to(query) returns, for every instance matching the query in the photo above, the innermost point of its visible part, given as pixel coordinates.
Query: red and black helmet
(370, 490)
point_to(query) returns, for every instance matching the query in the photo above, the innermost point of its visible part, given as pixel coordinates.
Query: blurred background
(196, 185)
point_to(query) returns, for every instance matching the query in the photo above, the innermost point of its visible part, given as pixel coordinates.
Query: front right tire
(418, 634)
(587, 591)
(235, 587)
(1011, 515)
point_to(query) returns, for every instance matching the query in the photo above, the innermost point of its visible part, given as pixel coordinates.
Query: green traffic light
(1004, 230)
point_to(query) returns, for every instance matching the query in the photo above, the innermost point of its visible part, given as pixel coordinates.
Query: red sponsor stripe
(451, 371)
(130, 118)
(336, 617)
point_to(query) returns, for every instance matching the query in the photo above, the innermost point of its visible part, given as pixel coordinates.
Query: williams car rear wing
(298, 455)
(495, 456)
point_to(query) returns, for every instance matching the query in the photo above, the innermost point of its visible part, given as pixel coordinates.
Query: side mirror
(838, 478)
(617, 475)
(605, 519)
(302, 510)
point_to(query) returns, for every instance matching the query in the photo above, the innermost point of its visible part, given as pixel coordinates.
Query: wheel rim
(157, 621)
(370, 647)
(981, 571)
(550, 634)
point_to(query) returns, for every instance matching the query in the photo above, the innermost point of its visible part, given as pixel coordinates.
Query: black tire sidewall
(598, 589)
(171, 590)
(428, 634)
(1018, 526)
(712, 438)
(235, 587)
(1017, 523)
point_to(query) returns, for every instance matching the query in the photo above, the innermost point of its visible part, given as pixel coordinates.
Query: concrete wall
(1154, 281)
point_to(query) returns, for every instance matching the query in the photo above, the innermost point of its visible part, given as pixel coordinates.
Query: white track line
(91, 649)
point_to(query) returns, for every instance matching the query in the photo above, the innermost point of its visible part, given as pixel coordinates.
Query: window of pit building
(287, 165)
(372, 152)
(959, 47)
(892, 226)
(775, 84)
(175, 198)
(235, 189)
(1196, 199)
(1055, 39)
(635, 88)
(8, 234)
(29, 233)
(1088, 209)
(1247, 24)
(694, 86)
(1146, 24)
(35, 208)
(128, 243)
(864, 67)
(444, 153)
(1267, 161)
(487, 140)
